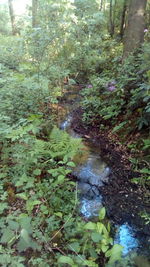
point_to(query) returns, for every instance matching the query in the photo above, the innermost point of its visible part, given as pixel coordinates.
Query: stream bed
(92, 173)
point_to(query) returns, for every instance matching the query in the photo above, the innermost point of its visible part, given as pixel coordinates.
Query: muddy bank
(124, 200)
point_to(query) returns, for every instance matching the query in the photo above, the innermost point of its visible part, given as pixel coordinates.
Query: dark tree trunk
(34, 13)
(123, 17)
(104, 5)
(134, 33)
(101, 5)
(111, 22)
(12, 16)
(114, 15)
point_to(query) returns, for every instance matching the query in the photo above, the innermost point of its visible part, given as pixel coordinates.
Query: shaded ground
(123, 199)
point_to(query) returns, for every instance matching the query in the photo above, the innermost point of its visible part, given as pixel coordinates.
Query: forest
(75, 133)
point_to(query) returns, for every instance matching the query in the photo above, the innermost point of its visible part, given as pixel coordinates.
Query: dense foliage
(40, 224)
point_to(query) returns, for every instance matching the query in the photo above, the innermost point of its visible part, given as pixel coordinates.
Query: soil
(124, 200)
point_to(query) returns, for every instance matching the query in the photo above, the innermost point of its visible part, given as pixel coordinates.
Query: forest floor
(124, 200)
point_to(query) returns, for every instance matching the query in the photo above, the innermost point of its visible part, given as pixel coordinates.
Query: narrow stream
(92, 173)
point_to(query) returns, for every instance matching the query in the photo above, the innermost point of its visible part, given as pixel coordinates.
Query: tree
(111, 22)
(101, 5)
(123, 19)
(134, 33)
(12, 16)
(4, 21)
(34, 13)
(148, 14)
(112, 16)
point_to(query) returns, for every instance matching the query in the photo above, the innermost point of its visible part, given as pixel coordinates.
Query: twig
(57, 248)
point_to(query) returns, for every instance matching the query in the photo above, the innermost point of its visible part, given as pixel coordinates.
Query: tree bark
(123, 17)
(114, 15)
(101, 5)
(111, 23)
(12, 16)
(134, 33)
(148, 14)
(104, 5)
(34, 13)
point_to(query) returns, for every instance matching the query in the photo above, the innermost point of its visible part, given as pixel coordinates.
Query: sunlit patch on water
(126, 238)
(66, 124)
(93, 169)
(90, 208)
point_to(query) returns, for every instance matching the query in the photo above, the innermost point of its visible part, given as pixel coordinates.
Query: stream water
(92, 173)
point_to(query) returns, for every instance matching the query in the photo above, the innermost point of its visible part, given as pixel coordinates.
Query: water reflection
(90, 208)
(126, 237)
(94, 171)
(66, 123)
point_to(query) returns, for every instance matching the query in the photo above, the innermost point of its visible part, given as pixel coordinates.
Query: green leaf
(99, 227)
(104, 248)
(24, 242)
(65, 259)
(71, 164)
(31, 203)
(59, 214)
(7, 235)
(118, 127)
(37, 172)
(114, 253)
(145, 171)
(93, 253)
(96, 237)
(3, 175)
(90, 226)
(102, 213)
(61, 178)
(75, 246)
(25, 223)
(106, 234)
(3, 206)
(108, 253)
(13, 225)
(22, 196)
(44, 209)
(25, 235)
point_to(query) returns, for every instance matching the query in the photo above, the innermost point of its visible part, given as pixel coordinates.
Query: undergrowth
(118, 101)
(40, 223)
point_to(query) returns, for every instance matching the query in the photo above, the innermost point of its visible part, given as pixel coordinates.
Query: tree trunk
(111, 23)
(148, 14)
(122, 26)
(114, 15)
(101, 5)
(134, 33)
(104, 5)
(34, 13)
(12, 16)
